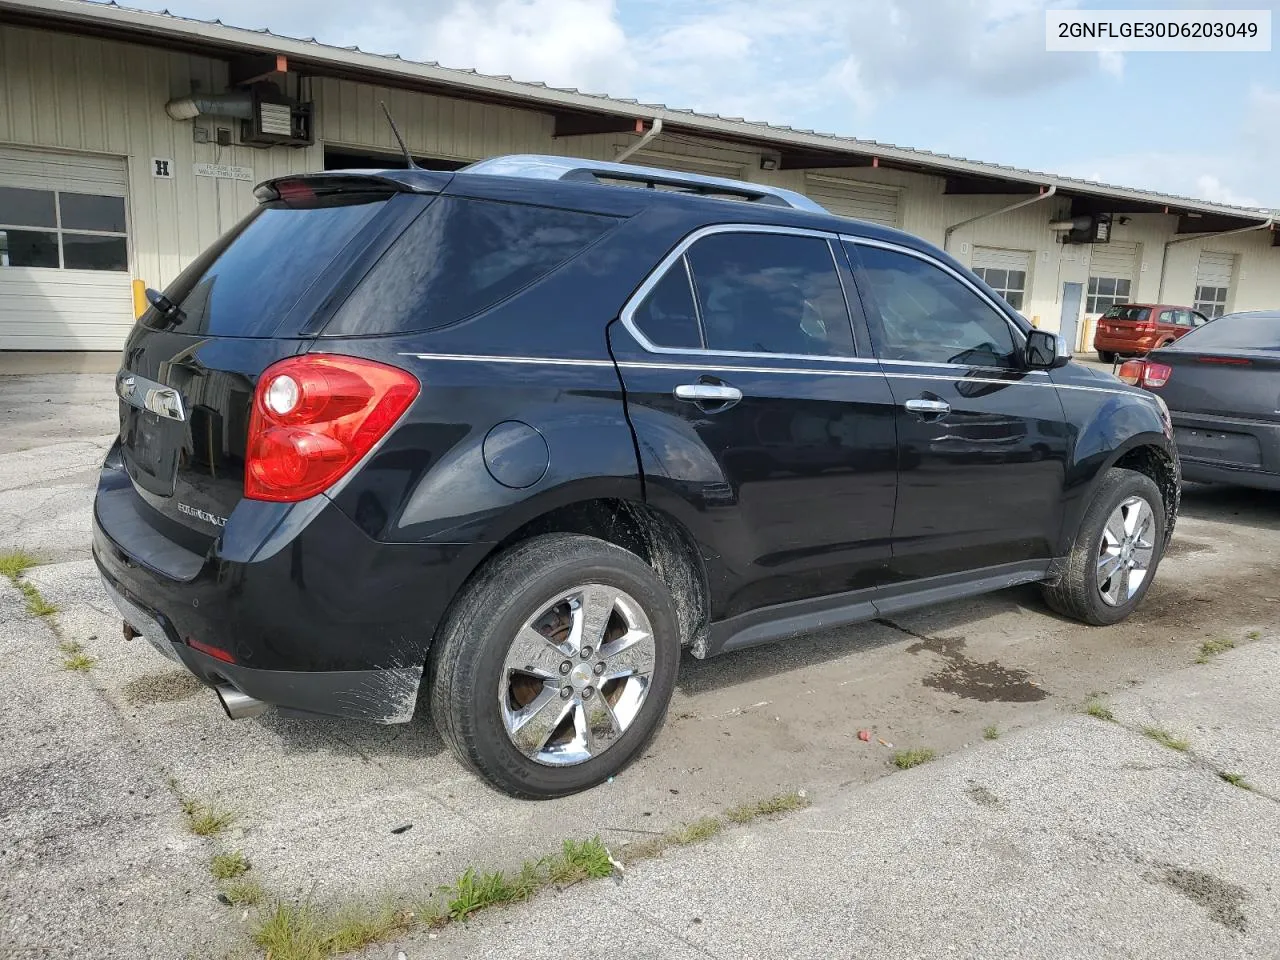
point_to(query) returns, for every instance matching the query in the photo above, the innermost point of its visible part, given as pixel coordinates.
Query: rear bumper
(1109, 343)
(327, 621)
(1215, 449)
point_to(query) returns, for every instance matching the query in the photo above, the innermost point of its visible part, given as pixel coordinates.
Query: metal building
(130, 140)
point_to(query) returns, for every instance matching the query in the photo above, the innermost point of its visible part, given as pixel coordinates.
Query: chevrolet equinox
(510, 439)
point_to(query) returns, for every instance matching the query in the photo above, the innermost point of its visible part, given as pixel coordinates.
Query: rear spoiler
(351, 181)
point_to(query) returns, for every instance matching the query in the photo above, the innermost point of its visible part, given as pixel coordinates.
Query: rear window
(247, 282)
(1127, 313)
(461, 257)
(1241, 331)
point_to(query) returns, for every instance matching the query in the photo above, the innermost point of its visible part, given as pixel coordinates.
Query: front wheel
(1116, 551)
(555, 666)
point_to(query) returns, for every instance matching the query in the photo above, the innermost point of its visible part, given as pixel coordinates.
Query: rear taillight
(314, 417)
(1145, 373)
(1131, 371)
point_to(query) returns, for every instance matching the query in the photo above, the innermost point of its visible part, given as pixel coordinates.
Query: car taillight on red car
(1145, 373)
(314, 417)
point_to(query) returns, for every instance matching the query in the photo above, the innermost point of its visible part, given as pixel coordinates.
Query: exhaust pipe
(238, 705)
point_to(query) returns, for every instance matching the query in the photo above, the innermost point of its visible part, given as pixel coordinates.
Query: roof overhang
(576, 113)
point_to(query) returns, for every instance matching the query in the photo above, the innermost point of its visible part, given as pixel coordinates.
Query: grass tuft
(1253, 635)
(1211, 648)
(291, 932)
(37, 605)
(782, 803)
(1235, 779)
(74, 657)
(14, 563)
(228, 866)
(1095, 708)
(587, 860)
(1166, 739)
(244, 893)
(992, 732)
(204, 820)
(906, 759)
(357, 927)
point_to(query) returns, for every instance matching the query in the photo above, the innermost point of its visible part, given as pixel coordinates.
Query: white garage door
(1113, 268)
(64, 252)
(1213, 282)
(1006, 272)
(853, 198)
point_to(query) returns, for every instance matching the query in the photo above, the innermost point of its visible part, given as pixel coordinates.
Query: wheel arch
(654, 535)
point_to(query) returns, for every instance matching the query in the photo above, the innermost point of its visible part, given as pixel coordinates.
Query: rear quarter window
(461, 257)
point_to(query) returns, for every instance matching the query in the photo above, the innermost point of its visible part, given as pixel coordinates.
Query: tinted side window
(927, 315)
(667, 316)
(770, 293)
(461, 257)
(1166, 316)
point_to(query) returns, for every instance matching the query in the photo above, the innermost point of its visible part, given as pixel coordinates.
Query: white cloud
(1238, 167)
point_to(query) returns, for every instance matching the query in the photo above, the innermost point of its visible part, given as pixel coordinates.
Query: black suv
(530, 431)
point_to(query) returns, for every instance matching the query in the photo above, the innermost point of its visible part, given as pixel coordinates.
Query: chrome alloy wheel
(576, 675)
(1124, 555)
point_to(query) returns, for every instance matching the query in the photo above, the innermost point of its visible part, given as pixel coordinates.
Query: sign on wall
(224, 171)
(162, 168)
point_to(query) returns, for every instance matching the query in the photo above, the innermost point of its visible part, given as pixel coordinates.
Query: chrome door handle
(708, 393)
(930, 408)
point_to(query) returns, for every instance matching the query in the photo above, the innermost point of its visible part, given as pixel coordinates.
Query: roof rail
(596, 171)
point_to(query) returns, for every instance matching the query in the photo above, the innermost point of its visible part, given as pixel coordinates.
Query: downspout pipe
(1045, 194)
(1269, 223)
(650, 136)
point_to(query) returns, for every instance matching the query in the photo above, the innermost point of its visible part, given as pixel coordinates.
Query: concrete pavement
(1071, 839)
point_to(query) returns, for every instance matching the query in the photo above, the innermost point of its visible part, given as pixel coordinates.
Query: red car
(1133, 329)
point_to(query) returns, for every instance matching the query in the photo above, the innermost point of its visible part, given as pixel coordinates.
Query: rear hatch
(256, 296)
(1126, 320)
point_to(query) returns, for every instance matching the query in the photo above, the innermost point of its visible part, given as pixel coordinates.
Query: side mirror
(1046, 351)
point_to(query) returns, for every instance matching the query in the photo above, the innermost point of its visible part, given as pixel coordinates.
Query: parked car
(1134, 329)
(1222, 386)
(521, 434)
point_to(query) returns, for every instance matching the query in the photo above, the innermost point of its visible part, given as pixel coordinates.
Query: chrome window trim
(627, 315)
(695, 367)
(1019, 336)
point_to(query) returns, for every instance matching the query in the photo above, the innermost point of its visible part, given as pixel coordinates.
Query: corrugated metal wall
(97, 96)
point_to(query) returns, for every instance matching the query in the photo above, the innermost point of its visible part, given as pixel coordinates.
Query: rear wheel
(1116, 552)
(555, 666)
(1107, 356)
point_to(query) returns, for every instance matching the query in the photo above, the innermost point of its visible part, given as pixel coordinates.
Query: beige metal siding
(854, 198)
(96, 96)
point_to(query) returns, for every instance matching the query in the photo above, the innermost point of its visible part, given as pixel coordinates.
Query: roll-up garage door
(1117, 260)
(1006, 271)
(853, 198)
(64, 252)
(1213, 282)
(1215, 269)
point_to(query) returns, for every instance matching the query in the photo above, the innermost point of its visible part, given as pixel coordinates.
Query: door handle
(708, 393)
(928, 408)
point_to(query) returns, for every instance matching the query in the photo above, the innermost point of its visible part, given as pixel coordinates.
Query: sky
(969, 78)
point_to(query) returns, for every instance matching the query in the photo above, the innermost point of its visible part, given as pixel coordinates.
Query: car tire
(1078, 592)
(1107, 356)
(478, 695)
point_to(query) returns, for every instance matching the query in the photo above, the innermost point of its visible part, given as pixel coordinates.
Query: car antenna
(408, 157)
